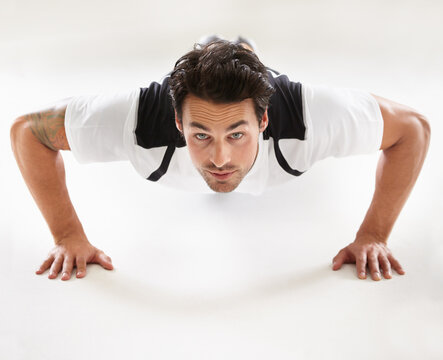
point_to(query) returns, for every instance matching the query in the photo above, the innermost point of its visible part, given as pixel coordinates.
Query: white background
(221, 276)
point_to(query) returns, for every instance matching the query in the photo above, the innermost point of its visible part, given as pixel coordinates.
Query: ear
(264, 121)
(177, 123)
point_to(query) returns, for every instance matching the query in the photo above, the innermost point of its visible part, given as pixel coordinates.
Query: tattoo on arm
(49, 128)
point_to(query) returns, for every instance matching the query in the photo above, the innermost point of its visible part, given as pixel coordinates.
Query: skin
(37, 139)
(406, 137)
(221, 138)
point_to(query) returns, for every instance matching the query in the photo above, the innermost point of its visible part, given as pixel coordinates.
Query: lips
(221, 176)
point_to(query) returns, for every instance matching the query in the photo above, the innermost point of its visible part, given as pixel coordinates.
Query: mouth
(222, 176)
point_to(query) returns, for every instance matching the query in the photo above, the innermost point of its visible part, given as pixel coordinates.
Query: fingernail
(377, 276)
(362, 274)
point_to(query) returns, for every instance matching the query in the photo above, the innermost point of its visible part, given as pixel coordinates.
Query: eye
(201, 136)
(237, 136)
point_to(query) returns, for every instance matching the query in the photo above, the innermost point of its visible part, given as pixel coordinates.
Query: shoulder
(155, 117)
(285, 110)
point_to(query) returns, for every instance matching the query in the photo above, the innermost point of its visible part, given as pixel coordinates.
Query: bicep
(48, 126)
(398, 121)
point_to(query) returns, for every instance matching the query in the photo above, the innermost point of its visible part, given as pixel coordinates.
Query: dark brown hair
(220, 72)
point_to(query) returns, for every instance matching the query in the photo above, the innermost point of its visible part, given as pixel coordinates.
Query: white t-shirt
(338, 122)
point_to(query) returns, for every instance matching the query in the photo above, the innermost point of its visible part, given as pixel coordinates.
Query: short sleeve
(95, 125)
(341, 121)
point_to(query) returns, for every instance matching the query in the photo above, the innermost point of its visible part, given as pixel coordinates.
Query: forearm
(44, 174)
(397, 172)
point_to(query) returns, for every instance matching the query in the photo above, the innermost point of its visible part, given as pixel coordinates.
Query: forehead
(208, 113)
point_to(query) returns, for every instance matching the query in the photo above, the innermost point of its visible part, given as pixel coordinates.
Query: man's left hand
(368, 251)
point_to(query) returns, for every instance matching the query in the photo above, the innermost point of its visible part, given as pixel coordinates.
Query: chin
(220, 186)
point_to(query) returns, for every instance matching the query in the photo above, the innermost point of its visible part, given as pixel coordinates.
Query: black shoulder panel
(285, 114)
(156, 118)
(285, 111)
(156, 124)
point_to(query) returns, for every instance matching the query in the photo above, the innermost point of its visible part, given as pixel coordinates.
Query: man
(221, 121)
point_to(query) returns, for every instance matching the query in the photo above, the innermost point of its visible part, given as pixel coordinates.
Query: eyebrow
(229, 128)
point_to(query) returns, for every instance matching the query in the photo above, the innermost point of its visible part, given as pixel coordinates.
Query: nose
(220, 154)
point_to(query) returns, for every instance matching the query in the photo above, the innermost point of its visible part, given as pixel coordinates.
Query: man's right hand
(73, 251)
(36, 141)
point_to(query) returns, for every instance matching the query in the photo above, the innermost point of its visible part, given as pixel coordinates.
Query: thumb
(105, 261)
(339, 259)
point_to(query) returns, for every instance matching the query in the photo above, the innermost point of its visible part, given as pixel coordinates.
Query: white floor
(221, 276)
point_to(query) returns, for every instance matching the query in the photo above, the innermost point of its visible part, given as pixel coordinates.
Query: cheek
(246, 151)
(243, 154)
(197, 153)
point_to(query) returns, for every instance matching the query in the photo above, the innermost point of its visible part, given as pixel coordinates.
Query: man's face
(222, 139)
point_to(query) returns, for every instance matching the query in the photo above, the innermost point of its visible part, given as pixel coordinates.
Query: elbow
(424, 129)
(417, 134)
(16, 130)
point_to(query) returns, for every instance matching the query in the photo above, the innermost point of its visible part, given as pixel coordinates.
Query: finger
(395, 264)
(361, 265)
(45, 265)
(105, 261)
(81, 267)
(339, 259)
(56, 267)
(373, 266)
(385, 266)
(67, 267)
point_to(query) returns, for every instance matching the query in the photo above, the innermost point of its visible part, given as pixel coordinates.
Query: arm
(36, 139)
(406, 136)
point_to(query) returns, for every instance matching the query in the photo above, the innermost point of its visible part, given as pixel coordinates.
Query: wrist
(370, 236)
(73, 233)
